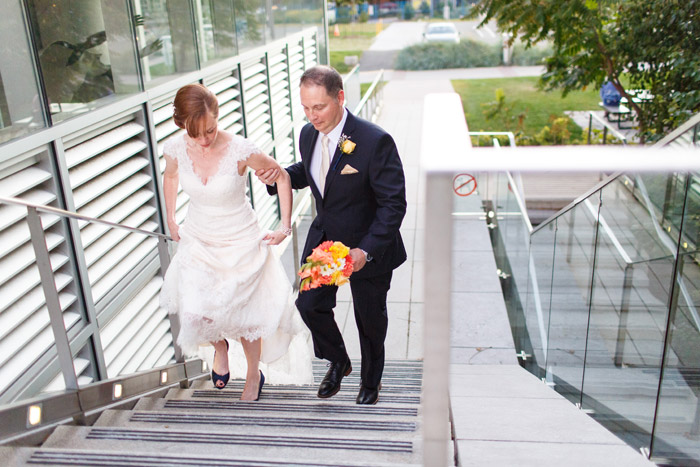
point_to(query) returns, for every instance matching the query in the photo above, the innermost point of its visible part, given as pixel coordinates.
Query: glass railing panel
(677, 429)
(515, 231)
(631, 291)
(573, 269)
(530, 332)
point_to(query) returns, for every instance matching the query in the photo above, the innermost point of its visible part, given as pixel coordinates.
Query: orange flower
(328, 264)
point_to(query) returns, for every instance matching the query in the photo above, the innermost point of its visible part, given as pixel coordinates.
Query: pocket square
(348, 169)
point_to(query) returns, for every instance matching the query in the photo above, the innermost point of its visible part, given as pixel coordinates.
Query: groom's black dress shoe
(368, 396)
(331, 383)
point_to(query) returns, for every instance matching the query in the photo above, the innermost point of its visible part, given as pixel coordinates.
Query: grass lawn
(522, 94)
(354, 39)
(338, 59)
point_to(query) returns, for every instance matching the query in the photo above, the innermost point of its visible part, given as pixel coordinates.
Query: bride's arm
(170, 182)
(258, 161)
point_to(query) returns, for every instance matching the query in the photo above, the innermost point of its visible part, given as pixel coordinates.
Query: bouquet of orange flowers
(328, 264)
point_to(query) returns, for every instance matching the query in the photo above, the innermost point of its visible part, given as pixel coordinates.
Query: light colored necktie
(325, 162)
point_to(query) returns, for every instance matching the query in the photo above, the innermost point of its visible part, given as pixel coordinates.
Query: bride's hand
(174, 230)
(274, 238)
(267, 176)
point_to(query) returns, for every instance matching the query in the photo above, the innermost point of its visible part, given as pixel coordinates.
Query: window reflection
(216, 25)
(250, 23)
(85, 53)
(165, 38)
(20, 106)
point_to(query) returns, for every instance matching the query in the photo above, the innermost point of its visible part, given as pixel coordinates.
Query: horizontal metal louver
(111, 179)
(310, 54)
(279, 91)
(296, 69)
(25, 329)
(139, 336)
(228, 93)
(166, 128)
(256, 103)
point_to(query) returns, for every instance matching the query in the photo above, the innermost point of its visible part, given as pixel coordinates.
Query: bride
(224, 282)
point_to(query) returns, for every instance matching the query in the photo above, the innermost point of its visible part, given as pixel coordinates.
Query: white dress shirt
(333, 138)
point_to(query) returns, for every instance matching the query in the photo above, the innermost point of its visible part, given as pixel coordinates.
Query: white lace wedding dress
(224, 281)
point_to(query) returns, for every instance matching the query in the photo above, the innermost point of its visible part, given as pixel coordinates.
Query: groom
(357, 179)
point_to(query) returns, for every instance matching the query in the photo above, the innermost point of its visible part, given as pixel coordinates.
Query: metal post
(164, 256)
(436, 363)
(624, 312)
(590, 127)
(48, 284)
(605, 134)
(295, 254)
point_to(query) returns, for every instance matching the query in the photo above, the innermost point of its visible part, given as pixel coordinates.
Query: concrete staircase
(288, 426)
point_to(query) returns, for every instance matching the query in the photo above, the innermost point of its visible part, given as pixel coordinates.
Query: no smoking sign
(464, 184)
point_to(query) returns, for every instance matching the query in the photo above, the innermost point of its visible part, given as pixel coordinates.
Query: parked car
(441, 32)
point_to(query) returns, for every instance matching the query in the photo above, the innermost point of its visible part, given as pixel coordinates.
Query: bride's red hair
(193, 103)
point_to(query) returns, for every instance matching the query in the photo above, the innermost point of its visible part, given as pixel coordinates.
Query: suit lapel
(348, 129)
(307, 161)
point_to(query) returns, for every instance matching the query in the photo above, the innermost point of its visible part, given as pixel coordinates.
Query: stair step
(52, 456)
(288, 393)
(236, 423)
(230, 445)
(397, 384)
(324, 409)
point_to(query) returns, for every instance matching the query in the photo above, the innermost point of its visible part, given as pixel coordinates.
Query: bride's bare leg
(220, 365)
(252, 351)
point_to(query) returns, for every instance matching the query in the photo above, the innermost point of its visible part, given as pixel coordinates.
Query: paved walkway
(501, 414)
(453, 73)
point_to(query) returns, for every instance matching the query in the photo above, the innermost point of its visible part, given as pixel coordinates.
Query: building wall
(86, 107)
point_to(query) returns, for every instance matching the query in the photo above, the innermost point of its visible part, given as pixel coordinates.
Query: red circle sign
(464, 184)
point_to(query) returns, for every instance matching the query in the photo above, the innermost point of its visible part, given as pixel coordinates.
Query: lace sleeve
(170, 149)
(244, 147)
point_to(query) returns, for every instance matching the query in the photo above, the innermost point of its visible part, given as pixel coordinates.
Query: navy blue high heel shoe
(262, 381)
(215, 377)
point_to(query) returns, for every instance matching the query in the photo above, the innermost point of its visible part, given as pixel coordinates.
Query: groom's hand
(267, 176)
(358, 259)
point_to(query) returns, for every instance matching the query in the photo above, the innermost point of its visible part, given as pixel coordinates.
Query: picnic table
(615, 114)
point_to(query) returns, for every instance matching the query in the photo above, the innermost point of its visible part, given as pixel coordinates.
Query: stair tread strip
(92, 458)
(270, 395)
(326, 408)
(318, 423)
(171, 436)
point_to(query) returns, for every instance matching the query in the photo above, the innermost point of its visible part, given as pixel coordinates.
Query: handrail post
(436, 352)
(53, 304)
(164, 257)
(590, 126)
(624, 312)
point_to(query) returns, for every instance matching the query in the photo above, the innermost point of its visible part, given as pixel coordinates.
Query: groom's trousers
(369, 300)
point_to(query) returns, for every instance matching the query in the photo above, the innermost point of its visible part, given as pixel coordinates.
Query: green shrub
(437, 12)
(437, 56)
(532, 56)
(408, 11)
(364, 17)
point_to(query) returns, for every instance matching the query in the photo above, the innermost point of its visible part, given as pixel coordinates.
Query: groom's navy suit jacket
(363, 209)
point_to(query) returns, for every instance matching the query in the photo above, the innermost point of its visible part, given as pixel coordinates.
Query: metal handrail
(75, 215)
(592, 115)
(694, 120)
(370, 93)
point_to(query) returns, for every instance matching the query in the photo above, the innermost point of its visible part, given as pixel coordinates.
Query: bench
(616, 111)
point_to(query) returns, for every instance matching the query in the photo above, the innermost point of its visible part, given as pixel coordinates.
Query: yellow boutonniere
(346, 146)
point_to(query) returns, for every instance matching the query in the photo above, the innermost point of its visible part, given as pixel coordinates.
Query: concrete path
(454, 73)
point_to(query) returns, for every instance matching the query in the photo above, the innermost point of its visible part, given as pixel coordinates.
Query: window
(86, 53)
(20, 104)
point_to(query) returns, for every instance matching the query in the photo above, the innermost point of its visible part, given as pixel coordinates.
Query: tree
(650, 44)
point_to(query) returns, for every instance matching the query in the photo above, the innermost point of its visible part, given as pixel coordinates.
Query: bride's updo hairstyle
(193, 103)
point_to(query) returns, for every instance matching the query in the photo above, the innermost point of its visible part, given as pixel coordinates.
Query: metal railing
(607, 128)
(371, 103)
(440, 162)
